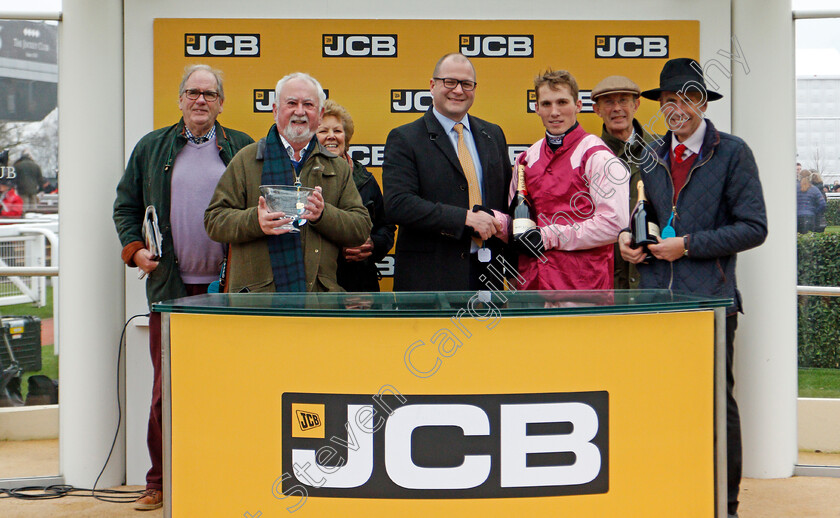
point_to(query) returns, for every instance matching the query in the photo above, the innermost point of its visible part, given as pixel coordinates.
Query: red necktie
(679, 151)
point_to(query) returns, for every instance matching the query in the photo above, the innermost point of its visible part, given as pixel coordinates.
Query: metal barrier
(823, 291)
(23, 268)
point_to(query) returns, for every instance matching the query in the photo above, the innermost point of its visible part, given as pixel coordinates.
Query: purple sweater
(196, 172)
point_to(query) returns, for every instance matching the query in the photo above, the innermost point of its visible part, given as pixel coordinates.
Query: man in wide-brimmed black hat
(708, 199)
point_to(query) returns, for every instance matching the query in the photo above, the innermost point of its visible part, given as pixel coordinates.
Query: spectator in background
(11, 205)
(817, 181)
(357, 265)
(819, 222)
(836, 186)
(809, 204)
(30, 181)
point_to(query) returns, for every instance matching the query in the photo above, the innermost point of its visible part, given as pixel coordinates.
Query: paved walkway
(47, 332)
(796, 497)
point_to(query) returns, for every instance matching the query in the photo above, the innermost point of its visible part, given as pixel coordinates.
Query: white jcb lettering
(558, 429)
(247, 45)
(219, 45)
(497, 46)
(223, 45)
(517, 444)
(412, 101)
(656, 47)
(405, 473)
(630, 47)
(360, 45)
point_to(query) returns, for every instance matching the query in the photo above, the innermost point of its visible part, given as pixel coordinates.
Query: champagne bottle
(522, 210)
(644, 224)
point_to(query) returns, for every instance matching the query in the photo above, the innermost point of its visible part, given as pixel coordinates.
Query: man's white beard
(298, 135)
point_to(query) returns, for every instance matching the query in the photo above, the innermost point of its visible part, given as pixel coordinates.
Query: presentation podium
(498, 404)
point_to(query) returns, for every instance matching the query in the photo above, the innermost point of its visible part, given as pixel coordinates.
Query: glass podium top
(440, 304)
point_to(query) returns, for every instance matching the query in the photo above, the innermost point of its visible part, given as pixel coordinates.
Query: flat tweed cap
(615, 85)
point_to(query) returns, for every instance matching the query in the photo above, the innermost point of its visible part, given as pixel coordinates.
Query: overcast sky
(817, 34)
(16, 6)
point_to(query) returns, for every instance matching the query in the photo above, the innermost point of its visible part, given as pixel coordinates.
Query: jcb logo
(514, 150)
(531, 105)
(236, 45)
(583, 95)
(586, 101)
(308, 420)
(410, 101)
(497, 446)
(359, 46)
(264, 99)
(497, 45)
(367, 155)
(631, 46)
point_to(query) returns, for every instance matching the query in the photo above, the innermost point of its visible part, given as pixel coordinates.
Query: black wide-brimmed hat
(676, 74)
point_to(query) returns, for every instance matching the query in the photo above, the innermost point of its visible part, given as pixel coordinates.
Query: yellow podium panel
(584, 416)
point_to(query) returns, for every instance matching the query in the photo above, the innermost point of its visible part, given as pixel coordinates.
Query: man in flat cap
(616, 102)
(705, 189)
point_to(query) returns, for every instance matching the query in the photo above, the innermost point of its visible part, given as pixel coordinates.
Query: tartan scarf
(286, 250)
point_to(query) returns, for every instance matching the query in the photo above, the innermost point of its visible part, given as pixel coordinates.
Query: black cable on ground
(120, 496)
(117, 431)
(59, 491)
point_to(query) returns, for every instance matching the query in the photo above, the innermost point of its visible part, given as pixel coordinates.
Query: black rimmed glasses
(209, 95)
(448, 82)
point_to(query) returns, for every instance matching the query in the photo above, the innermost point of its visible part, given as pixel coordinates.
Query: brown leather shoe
(151, 499)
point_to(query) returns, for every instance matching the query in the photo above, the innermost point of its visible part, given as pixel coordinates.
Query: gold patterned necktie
(469, 171)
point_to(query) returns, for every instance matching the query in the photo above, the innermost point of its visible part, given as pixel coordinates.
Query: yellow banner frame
(380, 69)
(658, 370)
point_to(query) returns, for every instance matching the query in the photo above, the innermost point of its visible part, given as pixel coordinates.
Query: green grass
(834, 229)
(31, 309)
(49, 361)
(819, 383)
(49, 368)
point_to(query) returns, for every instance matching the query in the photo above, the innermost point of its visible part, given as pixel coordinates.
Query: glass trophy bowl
(289, 200)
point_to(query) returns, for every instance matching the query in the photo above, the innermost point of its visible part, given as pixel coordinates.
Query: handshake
(529, 242)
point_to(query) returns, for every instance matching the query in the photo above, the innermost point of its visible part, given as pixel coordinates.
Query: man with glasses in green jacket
(175, 170)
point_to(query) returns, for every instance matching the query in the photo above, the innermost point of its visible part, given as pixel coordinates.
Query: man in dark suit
(446, 178)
